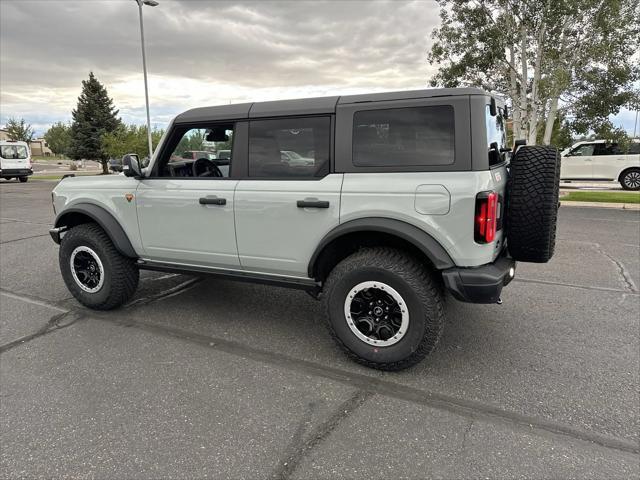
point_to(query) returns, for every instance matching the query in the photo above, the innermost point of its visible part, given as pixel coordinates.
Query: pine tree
(94, 116)
(19, 130)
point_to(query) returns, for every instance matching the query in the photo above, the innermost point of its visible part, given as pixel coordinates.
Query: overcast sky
(203, 52)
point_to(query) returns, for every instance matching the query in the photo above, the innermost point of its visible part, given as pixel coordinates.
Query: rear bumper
(15, 172)
(480, 284)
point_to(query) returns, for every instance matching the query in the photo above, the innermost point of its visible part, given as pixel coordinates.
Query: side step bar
(299, 283)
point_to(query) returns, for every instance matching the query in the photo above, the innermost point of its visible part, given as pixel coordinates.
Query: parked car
(294, 158)
(224, 154)
(115, 164)
(599, 160)
(404, 201)
(15, 160)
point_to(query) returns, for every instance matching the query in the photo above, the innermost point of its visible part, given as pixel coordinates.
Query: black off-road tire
(532, 203)
(23, 179)
(630, 178)
(412, 280)
(120, 273)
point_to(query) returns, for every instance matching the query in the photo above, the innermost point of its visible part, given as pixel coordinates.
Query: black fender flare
(412, 234)
(106, 221)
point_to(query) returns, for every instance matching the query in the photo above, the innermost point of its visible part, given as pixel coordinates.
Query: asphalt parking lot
(199, 377)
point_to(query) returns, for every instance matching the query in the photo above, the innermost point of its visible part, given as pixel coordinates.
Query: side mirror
(131, 165)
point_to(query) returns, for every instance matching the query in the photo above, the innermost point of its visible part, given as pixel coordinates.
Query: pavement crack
(459, 406)
(24, 238)
(168, 293)
(57, 322)
(300, 450)
(15, 220)
(465, 435)
(32, 299)
(625, 277)
(574, 285)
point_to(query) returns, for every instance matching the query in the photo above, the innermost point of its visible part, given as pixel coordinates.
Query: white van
(599, 160)
(15, 160)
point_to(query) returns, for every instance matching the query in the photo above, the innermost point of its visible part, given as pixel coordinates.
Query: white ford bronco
(377, 204)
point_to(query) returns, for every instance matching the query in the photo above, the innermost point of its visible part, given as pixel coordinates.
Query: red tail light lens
(486, 219)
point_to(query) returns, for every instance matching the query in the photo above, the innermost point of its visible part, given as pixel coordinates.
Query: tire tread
(417, 276)
(532, 206)
(125, 274)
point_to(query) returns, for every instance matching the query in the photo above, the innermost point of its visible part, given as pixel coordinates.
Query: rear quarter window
(410, 137)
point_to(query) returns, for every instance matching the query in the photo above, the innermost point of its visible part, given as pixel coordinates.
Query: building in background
(40, 148)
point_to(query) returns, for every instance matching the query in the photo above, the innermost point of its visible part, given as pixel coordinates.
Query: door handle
(212, 201)
(312, 204)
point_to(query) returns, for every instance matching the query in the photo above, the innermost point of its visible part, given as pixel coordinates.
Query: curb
(620, 206)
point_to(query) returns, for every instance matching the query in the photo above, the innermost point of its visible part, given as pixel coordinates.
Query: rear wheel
(384, 309)
(95, 273)
(630, 180)
(23, 179)
(532, 203)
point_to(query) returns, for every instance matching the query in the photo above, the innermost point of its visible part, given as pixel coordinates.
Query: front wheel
(23, 179)
(630, 180)
(384, 308)
(95, 273)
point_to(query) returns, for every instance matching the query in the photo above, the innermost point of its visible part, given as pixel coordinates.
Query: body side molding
(103, 218)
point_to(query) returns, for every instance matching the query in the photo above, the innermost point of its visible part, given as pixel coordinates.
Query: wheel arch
(87, 213)
(376, 231)
(625, 170)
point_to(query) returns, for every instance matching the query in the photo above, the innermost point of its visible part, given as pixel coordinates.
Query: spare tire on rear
(532, 203)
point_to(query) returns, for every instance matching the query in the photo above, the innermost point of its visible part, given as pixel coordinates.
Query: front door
(185, 209)
(289, 201)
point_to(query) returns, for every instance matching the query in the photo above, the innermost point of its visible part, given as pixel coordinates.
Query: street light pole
(151, 3)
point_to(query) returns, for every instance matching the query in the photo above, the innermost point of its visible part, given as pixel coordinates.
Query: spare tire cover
(532, 203)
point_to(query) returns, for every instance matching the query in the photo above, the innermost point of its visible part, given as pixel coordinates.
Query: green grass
(608, 197)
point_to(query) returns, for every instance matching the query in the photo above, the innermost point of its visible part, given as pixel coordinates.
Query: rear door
(608, 161)
(578, 163)
(285, 206)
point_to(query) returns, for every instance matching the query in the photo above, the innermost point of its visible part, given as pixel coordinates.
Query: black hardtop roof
(306, 106)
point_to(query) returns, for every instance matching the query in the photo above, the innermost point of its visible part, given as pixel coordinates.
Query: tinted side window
(634, 148)
(289, 147)
(607, 149)
(418, 136)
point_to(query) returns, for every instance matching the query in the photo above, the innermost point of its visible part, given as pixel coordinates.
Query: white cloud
(207, 53)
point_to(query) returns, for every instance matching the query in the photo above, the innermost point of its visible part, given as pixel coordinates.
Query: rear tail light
(486, 218)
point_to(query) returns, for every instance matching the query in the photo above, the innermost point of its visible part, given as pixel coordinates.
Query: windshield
(13, 151)
(496, 136)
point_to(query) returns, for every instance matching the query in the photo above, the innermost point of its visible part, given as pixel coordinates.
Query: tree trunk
(551, 118)
(523, 80)
(105, 167)
(513, 93)
(537, 73)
